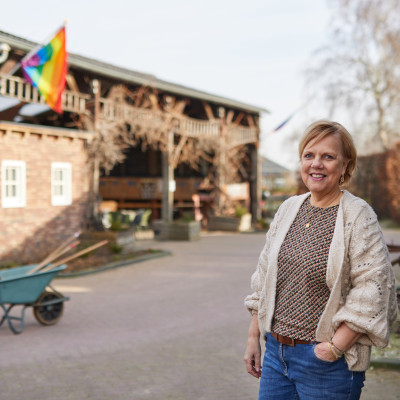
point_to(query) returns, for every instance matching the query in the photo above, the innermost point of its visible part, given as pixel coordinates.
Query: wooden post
(168, 179)
(254, 186)
(259, 170)
(221, 172)
(96, 168)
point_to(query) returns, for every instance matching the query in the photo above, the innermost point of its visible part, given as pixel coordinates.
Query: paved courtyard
(169, 328)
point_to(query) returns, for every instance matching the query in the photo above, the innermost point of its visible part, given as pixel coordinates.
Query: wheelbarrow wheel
(48, 314)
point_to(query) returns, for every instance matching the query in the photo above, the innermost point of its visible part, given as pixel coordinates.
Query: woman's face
(322, 165)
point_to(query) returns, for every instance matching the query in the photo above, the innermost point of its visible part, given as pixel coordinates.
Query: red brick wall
(377, 180)
(28, 234)
(393, 182)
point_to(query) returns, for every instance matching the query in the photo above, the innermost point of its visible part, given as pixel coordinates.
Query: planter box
(220, 223)
(176, 230)
(217, 223)
(124, 239)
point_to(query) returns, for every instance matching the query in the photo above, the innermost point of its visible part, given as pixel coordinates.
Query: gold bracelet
(333, 352)
(341, 352)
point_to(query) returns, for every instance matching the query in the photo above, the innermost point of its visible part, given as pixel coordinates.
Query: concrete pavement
(169, 328)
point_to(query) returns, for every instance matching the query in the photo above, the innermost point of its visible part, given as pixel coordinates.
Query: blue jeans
(296, 373)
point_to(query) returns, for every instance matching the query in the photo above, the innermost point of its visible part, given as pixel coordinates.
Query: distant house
(275, 177)
(47, 183)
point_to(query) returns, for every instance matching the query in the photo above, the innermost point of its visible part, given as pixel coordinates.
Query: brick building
(44, 188)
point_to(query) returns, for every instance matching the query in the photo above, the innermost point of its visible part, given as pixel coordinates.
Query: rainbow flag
(46, 69)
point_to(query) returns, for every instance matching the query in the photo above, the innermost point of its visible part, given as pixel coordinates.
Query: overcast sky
(253, 51)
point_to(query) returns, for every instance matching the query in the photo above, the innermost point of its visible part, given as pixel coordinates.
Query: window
(61, 180)
(13, 178)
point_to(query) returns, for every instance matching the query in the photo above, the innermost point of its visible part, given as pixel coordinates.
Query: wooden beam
(250, 120)
(154, 101)
(238, 119)
(177, 151)
(208, 110)
(146, 103)
(180, 106)
(72, 83)
(8, 66)
(229, 116)
(139, 95)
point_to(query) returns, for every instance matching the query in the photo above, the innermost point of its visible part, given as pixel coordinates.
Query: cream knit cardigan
(359, 275)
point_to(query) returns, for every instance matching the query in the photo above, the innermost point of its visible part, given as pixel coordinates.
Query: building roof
(269, 167)
(127, 75)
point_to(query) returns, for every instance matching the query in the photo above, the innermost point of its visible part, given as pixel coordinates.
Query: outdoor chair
(144, 221)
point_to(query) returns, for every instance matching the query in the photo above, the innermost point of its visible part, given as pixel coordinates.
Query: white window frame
(19, 200)
(65, 184)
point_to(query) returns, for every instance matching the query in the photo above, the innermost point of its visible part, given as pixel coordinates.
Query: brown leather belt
(287, 340)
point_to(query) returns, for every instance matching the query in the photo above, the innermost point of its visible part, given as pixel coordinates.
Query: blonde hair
(320, 129)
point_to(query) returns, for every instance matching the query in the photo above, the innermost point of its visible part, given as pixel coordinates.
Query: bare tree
(359, 71)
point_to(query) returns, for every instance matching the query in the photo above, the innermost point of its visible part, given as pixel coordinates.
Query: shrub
(240, 210)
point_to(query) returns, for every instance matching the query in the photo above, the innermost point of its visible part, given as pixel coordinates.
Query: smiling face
(322, 165)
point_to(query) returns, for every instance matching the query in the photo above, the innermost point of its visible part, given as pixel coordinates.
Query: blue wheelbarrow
(20, 288)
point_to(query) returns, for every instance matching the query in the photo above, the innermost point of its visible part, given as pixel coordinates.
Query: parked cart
(24, 287)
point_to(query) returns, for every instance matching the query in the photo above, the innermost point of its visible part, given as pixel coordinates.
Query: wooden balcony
(18, 88)
(145, 119)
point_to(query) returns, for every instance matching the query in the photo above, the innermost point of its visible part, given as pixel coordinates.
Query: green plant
(115, 248)
(119, 222)
(187, 217)
(263, 223)
(10, 264)
(240, 211)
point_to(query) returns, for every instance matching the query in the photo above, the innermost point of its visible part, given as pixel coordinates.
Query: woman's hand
(323, 352)
(252, 355)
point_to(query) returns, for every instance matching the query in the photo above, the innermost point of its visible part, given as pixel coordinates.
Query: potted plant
(240, 221)
(185, 228)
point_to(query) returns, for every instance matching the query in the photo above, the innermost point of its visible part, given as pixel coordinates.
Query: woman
(324, 289)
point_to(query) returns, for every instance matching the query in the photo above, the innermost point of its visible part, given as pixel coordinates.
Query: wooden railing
(198, 128)
(240, 135)
(18, 88)
(141, 189)
(115, 111)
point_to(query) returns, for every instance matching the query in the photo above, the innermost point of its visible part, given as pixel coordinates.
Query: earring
(341, 180)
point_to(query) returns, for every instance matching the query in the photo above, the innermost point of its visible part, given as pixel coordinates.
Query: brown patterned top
(302, 293)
